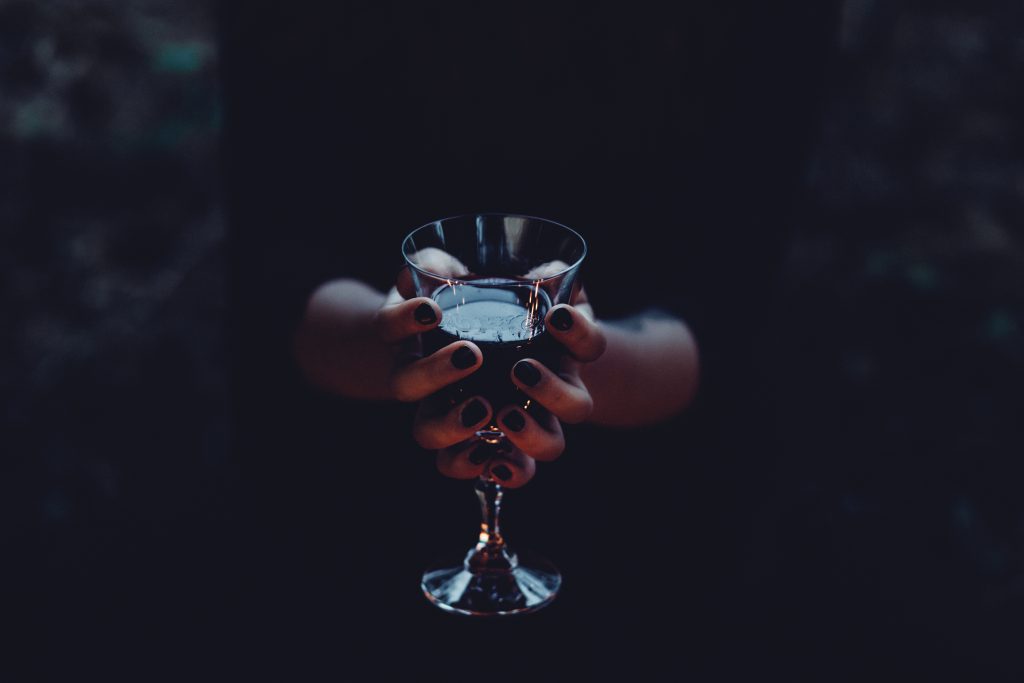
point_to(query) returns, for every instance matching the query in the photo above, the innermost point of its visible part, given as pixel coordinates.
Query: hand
(648, 373)
(532, 435)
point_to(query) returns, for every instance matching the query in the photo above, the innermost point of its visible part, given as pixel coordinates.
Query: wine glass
(494, 276)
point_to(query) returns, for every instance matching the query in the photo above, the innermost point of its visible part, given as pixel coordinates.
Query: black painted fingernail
(474, 411)
(514, 421)
(479, 456)
(561, 319)
(425, 315)
(463, 358)
(526, 373)
(501, 472)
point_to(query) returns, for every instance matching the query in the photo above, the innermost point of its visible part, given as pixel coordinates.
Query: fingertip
(456, 468)
(407, 318)
(479, 455)
(530, 436)
(501, 472)
(577, 332)
(511, 473)
(466, 356)
(474, 412)
(561, 318)
(425, 312)
(512, 419)
(526, 374)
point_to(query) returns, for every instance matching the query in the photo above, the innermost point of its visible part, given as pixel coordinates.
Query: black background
(831, 194)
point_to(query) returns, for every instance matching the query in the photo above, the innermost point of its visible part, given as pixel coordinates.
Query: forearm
(649, 371)
(336, 345)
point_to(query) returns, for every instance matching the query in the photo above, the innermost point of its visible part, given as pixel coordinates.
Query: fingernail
(561, 319)
(514, 421)
(478, 456)
(526, 373)
(501, 472)
(474, 411)
(463, 358)
(425, 315)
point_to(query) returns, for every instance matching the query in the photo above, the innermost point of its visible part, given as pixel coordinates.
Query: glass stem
(490, 553)
(490, 494)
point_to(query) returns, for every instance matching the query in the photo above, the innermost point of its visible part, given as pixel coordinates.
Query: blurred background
(112, 287)
(901, 364)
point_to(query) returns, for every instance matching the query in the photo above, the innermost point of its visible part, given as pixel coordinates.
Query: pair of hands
(451, 431)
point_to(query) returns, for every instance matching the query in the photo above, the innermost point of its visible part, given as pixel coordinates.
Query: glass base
(528, 585)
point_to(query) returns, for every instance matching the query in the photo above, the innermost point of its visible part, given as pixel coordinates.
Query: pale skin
(358, 342)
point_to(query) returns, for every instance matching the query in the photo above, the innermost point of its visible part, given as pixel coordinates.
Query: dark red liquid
(506, 320)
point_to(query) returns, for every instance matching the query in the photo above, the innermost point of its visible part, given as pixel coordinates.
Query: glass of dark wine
(494, 276)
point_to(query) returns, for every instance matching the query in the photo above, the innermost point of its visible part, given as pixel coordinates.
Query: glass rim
(549, 278)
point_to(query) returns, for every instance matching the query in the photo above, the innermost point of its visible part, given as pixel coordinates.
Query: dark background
(847, 502)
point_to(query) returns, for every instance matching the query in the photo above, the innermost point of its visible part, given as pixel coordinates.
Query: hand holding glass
(494, 277)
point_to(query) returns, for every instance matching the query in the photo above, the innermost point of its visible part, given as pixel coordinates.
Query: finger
(431, 260)
(564, 395)
(466, 460)
(511, 468)
(546, 270)
(406, 318)
(434, 431)
(404, 283)
(579, 334)
(540, 439)
(579, 295)
(423, 377)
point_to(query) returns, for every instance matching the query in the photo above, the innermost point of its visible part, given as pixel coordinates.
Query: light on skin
(647, 373)
(626, 373)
